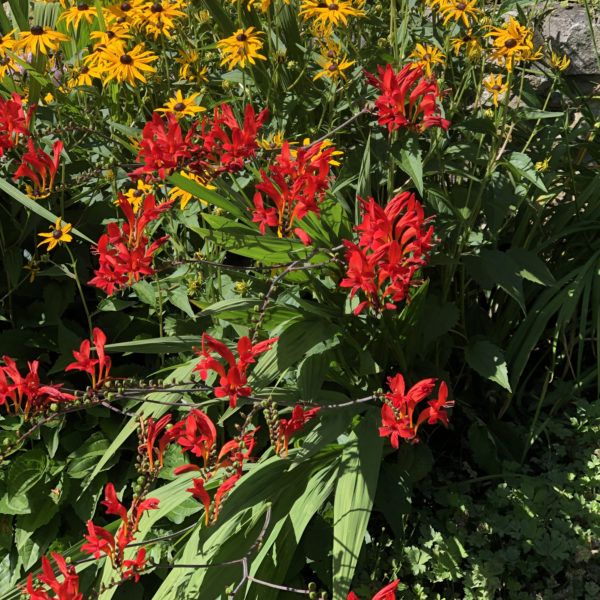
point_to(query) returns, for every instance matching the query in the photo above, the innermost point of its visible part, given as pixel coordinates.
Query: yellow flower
(126, 14)
(128, 66)
(240, 47)
(82, 76)
(495, 87)
(541, 166)
(324, 144)
(136, 195)
(558, 62)
(190, 66)
(471, 43)
(58, 234)
(7, 42)
(116, 34)
(42, 38)
(158, 17)
(332, 68)
(48, 98)
(184, 196)
(459, 10)
(33, 267)
(512, 44)
(273, 142)
(427, 56)
(75, 14)
(181, 106)
(330, 11)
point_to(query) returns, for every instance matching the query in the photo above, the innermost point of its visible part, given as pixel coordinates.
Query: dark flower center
(241, 37)
(137, 193)
(121, 20)
(83, 6)
(179, 106)
(156, 7)
(510, 43)
(333, 67)
(56, 233)
(330, 54)
(125, 6)
(4, 60)
(467, 38)
(461, 6)
(84, 69)
(333, 6)
(37, 30)
(126, 59)
(496, 88)
(427, 56)
(110, 35)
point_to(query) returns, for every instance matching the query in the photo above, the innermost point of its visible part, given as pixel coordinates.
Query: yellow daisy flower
(332, 68)
(7, 42)
(158, 17)
(126, 14)
(190, 67)
(495, 87)
(128, 65)
(136, 195)
(512, 44)
(40, 38)
(58, 234)
(82, 76)
(241, 47)
(427, 56)
(330, 11)
(560, 63)
(181, 106)
(78, 12)
(273, 142)
(471, 43)
(458, 9)
(117, 33)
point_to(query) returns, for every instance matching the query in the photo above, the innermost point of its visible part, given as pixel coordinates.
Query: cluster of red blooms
(393, 244)
(233, 381)
(83, 362)
(296, 183)
(287, 427)
(124, 252)
(397, 414)
(408, 99)
(220, 145)
(35, 163)
(67, 589)
(99, 540)
(14, 388)
(385, 593)
(198, 435)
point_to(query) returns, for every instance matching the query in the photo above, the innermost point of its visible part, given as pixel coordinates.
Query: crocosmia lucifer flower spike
(386, 593)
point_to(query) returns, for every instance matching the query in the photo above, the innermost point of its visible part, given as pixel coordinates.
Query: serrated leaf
(25, 471)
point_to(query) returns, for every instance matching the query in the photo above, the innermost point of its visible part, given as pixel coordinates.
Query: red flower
(13, 122)
(287, 427)
(83, 361)
(38, 166)
(233, 380)
(136, 565)
(434, 413)
(67, 589)
(113, 506)
(201, 494)
(198, 434)
(99, 540)
(409, 85)
(385, 593)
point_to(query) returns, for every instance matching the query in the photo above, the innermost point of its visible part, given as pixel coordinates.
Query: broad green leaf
(160, 345)
(522, 165)
(409, 160)
(25, 471)
(146, 292)
(532, 268)
(354, 495)
(488, 360)
(84, 459)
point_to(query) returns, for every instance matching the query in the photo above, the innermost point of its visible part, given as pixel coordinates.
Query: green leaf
(491, 268)
(160, 345)
(353, 501)
(33, 206)
(83, 460)
(522, 165)
(488, 360)
(26, 470)
(179, 298)
(410, 161)
(146, 292)
(531, 267)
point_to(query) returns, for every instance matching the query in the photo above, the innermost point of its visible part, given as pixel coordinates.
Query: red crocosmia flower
(386, 593)
(67, 589)
(224, 489)
(296, 183)
(113, 506)
(398, 412)
(201, 494)
(83, 361)
(393, 244)
(198, 435)
(233, 380)
(287, 427)
(407, 99)
(152, 433)
(16, 388)
(137, 565)
(13, 122)
(99, 540)
(130, 256)
(39, 167)
(236, 452)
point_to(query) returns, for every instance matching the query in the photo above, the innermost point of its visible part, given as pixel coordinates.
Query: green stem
(78, 283)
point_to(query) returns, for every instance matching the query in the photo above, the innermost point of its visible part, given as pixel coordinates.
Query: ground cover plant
(299, 299)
